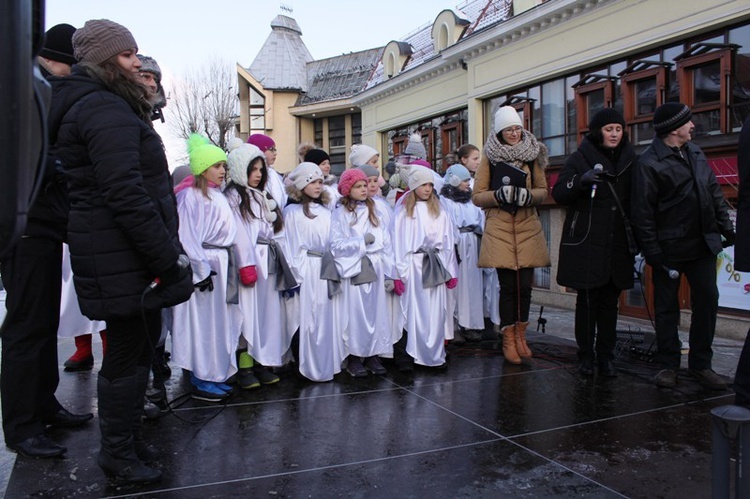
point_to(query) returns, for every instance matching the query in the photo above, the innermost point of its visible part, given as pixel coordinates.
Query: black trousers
(704, 303)
(596, 321)
(130, 344)
(32, 276)
(515, 295)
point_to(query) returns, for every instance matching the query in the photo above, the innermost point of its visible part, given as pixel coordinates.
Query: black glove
(729, 238)
(177, 272)
(592, 177)
(206, 284)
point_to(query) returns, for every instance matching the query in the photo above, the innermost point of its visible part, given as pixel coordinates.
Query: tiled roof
(480, 14)
(339, 77)
(281, 62)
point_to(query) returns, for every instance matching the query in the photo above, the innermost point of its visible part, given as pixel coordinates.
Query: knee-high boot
(523, 348)
(145, 452)
(510, 351)
(117, 455)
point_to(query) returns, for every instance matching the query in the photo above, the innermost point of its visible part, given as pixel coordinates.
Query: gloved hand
(389, 285)
(206, 284)
(523, 197)
(248, 275)
(506, 194)
(369, 238)
(729, 238)
(451, 283)
(398, 287)
(176, 272)
(656, 260)
(591, 177)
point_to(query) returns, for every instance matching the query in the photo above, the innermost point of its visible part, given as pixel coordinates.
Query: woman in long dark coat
(597, 247)
(122, 229)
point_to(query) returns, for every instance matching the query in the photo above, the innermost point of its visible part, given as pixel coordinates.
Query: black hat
(671, 116)
(58, 44)
(606, 116)
(316, 156)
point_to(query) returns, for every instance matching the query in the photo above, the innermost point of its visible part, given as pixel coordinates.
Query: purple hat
(262, 142)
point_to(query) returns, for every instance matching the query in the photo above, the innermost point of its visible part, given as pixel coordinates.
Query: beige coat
(511, 241)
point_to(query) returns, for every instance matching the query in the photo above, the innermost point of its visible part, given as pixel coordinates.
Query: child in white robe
(426, 263)
(361, 246)
(307, 221)
(468, 222)
(265, 338)
(205, 329)
(330, 182)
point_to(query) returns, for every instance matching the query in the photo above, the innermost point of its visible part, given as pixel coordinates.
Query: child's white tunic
(206, 329)
(263, 313)
(425, 310)
(367, 326)
(321, 345)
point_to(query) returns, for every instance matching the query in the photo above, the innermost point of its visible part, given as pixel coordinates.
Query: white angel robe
(396, 318)
(321, 344)
(367, 330)
(263, 312)
(72, 321)
(491, 295)
(467, 298)
(275, 187)
(205, 330)
(427, 320)
(333, 195)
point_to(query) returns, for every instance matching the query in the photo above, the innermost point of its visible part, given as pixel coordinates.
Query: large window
(257, 112)
(337, 143)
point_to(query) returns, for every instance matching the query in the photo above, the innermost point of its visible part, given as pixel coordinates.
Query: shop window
(542, 275)
(740, 105)
(704, 73)
(644, 88)
(593, 93)
(451, 133)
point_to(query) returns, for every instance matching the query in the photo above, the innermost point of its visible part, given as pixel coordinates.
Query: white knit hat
(415, 147)
(239, 158)
(420, 175)
(304, 174)
(361, 154)
(506, 116)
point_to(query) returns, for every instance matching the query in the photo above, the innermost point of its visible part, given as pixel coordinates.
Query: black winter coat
(742, 243)
(594, 245)
(679, 211)
(122, 227)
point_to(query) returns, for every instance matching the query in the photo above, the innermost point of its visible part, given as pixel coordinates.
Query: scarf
(455, 194)
(527, 150)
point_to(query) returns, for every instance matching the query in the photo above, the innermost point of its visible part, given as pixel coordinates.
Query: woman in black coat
(122, 229)
(597, 247)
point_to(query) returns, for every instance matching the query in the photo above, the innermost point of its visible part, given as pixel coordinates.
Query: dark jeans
(596, 319)
(515, 295)
(32, 276)
(130, 344)
(704, 303)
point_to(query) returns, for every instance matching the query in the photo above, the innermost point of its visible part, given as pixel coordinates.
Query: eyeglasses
(272, 149)
(513, 131)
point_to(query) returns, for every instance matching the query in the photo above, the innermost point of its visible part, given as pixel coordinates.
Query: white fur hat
(304, 174)
(506, 116)
(361, 154)
(239, 158)
(420, 176)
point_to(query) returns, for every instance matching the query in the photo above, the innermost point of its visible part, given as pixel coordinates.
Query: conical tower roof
(280, 63)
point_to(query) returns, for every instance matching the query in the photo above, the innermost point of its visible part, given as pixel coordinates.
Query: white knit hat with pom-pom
(239, 158)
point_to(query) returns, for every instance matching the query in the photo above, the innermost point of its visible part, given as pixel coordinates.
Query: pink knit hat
(262, 142)
(349, 178)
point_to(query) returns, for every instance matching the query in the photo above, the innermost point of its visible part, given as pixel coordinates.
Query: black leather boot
(117, 457)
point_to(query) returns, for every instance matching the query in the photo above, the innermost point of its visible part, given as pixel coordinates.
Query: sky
(186, 34)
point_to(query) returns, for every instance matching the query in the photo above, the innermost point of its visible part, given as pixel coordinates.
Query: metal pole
(729, 422)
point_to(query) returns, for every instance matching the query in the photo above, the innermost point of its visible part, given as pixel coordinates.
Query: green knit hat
(203, 154)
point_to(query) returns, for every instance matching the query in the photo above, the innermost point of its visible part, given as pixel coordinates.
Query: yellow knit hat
(203, 154)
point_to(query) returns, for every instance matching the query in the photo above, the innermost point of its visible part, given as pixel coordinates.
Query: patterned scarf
(525, 151)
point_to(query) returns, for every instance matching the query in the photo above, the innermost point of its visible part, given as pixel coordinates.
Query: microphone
(673, 274)
(506, 180)
(182, 262)
(597, 168)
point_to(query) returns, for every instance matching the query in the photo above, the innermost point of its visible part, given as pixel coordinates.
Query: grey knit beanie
(100, 39)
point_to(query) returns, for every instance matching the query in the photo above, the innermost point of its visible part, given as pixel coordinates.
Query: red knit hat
(349, 178)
